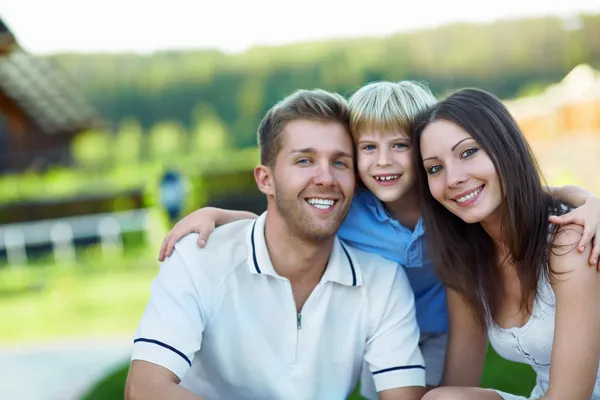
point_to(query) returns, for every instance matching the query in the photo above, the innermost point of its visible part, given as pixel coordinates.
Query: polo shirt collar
(378, 209)
(342, 267)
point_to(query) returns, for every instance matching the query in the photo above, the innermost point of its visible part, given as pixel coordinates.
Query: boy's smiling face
(384, 163)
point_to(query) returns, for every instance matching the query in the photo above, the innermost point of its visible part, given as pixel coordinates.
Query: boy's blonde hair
(388, 107)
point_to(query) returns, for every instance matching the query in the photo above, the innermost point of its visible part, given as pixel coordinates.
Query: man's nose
(324, 175)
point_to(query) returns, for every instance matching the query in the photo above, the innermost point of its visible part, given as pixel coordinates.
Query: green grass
(507, 376)
(96, 297)
(111, 387)
(498, 373)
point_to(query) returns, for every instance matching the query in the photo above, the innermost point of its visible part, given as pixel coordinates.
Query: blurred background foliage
(510, 58)
(190, 110)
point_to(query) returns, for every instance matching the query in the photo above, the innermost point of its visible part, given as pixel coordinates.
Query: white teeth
(322, 204)
(469, 196)
(387, 178)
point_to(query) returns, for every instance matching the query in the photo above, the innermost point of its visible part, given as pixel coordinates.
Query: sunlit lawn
(89, 299)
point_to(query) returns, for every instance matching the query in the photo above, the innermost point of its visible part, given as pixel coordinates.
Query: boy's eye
(469, 152)
(369, 147)
(400, 145)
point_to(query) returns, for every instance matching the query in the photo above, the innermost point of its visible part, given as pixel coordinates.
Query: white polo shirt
(223, 321)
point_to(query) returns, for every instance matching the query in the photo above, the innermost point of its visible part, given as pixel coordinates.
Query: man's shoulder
(225, 249)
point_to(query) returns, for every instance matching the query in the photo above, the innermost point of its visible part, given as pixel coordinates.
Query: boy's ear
(264, 179)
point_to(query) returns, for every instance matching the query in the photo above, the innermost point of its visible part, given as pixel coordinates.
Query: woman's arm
(576, 348)
(467, 344)
(202, 221)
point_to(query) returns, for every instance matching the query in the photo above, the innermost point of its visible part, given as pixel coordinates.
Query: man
(279, 307)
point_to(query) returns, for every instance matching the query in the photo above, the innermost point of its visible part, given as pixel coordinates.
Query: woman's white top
(532, 343)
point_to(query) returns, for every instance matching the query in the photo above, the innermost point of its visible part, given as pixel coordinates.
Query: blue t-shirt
(369, 227)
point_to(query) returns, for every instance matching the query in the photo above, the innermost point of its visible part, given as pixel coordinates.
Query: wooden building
(569, 107)
(41, 109)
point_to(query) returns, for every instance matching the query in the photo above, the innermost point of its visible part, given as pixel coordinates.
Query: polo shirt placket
(261, 264)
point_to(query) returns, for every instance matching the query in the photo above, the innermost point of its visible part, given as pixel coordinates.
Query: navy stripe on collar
(166, 346)
(254, 248)
(254, 259)
(351, 265)
(381, 371)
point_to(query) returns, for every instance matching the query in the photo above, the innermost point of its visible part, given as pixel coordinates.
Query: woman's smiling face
(460, 174)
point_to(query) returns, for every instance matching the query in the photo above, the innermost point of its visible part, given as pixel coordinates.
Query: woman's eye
(434, 169)
(469, 152)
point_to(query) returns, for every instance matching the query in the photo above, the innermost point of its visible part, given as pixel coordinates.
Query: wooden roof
(7, 39)
(42, 90)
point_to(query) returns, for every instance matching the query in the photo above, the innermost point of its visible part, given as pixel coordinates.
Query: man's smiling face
(313, 178)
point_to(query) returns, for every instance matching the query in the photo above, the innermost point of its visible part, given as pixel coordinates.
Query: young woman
(508, 272)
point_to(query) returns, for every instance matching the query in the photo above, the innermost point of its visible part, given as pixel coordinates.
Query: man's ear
(264, 179)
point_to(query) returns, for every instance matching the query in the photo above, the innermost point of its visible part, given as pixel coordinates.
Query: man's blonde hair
(388, 107)
(317, 104)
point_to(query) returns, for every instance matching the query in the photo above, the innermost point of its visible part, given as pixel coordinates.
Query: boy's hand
(588, 216)
(201, 221)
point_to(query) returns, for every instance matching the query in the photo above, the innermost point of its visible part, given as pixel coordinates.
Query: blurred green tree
(166, 141)
(209, 134)
(91, 149)
(128, 141)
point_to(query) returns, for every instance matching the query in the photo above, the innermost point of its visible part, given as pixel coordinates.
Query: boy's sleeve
(170, 331)
(392, 353)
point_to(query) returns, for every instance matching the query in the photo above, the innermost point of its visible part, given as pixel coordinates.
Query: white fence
(61, 233)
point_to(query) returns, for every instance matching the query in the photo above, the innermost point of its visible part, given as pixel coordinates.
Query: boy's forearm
(570, 194)
(223, 216)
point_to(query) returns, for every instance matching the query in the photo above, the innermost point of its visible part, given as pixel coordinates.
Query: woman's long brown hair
(464, 255)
